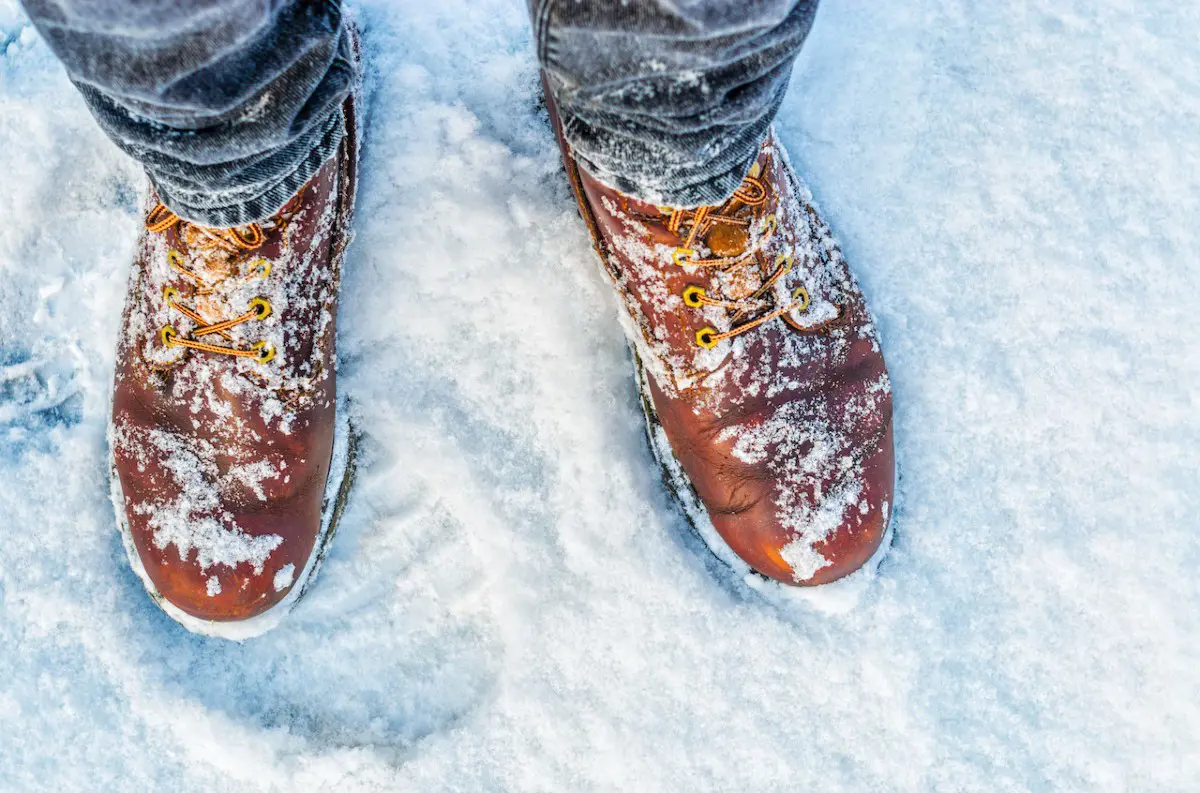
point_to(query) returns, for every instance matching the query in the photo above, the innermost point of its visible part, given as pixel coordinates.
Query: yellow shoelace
(237, 243)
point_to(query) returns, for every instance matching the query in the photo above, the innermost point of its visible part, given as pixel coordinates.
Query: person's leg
(668, 101)
(230, 105)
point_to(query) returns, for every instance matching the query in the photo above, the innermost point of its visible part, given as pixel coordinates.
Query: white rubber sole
(835, 597)
(337, 490)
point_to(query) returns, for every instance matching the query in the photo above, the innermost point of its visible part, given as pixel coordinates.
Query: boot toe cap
(813, 551)
(220, 593)
(222, 584)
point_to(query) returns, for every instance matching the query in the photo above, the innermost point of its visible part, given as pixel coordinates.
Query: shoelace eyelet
(707, 338)
(266, 352)
(683, 256)
(693, 296)
(802, 293)
(260, 268)
(261, 308)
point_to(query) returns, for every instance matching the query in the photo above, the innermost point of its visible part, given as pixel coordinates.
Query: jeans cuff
(678, 189)
(226, 208)
(657, 174)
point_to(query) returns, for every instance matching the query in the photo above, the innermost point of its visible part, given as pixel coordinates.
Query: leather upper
(784, 428)
(223, 460)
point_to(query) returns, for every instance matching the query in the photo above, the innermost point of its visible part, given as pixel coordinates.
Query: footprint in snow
(35, 395)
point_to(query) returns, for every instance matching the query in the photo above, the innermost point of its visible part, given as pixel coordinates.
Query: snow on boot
(767, 400)
(231, 455)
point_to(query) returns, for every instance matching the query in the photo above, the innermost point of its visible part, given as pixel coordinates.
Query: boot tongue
(214, 268)
(212, 265)
(739, 282)
(214, 308)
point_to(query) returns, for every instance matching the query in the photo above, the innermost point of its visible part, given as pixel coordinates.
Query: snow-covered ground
(514, 603)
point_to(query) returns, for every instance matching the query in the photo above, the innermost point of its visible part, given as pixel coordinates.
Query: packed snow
(513, 602)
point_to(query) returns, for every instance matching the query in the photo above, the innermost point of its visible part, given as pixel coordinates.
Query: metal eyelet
(260, 268)
(693, 296)
(683, 256)
(261, 308)
(266, 352)
(802, 293)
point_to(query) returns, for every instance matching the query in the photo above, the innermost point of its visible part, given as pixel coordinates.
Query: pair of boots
(767, 401)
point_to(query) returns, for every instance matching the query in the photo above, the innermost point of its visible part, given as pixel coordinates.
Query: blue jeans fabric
(668, 100)
(232, 105)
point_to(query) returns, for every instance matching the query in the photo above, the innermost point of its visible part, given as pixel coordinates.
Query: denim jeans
(232, 105)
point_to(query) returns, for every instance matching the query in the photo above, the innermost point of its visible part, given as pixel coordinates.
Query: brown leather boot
(231, 457)
(767, 400)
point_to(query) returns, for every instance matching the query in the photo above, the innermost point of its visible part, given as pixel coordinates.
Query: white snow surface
(513, 602)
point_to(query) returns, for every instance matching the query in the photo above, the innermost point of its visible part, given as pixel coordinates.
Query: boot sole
(835, 597)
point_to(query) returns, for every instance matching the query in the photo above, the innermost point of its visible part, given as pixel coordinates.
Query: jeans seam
(541, 26)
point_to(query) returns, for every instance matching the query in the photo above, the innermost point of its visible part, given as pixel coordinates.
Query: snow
(284, 577)
(186, 522)
(512, 601)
